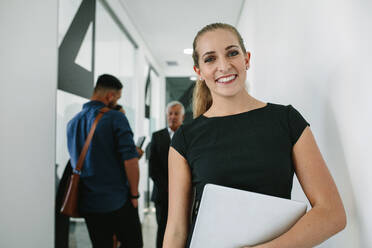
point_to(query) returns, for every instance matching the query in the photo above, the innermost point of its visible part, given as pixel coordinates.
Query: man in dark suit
(158, 164)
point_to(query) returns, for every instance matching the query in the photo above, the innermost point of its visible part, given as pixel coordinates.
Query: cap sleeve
(297, 124)
(178, 141)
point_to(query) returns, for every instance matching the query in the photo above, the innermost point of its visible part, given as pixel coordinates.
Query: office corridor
(312, 55)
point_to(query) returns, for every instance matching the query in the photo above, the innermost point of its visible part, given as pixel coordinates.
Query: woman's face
(222, 63)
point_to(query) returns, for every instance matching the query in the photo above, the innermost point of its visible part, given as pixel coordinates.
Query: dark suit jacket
(158, 164)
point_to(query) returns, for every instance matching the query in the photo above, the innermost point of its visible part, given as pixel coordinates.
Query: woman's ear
(197, 70)
(247, 60)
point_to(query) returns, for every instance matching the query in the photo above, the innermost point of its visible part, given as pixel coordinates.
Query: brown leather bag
(70, 201)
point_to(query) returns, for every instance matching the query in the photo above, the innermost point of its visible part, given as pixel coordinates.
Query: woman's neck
(223, 106)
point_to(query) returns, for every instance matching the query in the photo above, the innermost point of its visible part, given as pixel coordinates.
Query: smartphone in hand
(140, 141)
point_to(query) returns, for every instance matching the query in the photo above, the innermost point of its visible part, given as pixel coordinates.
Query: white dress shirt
(171, 133)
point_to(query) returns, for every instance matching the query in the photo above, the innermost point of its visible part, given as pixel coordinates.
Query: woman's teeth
(226, 79)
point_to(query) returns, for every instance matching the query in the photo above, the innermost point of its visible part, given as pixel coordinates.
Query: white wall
(143, 58)
(317, 55)
(28, 69)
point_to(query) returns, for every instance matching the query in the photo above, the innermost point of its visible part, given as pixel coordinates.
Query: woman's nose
(223, 65)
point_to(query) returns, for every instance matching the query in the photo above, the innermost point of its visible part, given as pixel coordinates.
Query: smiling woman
(224, 61)
(238, 141)
(222, 64)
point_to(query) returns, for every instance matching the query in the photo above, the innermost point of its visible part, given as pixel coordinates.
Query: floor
(79, 237)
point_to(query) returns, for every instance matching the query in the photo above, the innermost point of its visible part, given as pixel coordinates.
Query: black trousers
(161, 219)
(124, 223)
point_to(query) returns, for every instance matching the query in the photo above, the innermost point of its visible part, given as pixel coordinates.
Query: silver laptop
(232, 218)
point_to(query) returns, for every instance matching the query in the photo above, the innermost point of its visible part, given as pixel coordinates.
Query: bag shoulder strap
(83, 153)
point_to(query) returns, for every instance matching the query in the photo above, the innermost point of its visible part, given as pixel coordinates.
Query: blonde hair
(202, 98)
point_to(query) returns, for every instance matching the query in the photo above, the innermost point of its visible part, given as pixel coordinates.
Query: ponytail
(202, 98)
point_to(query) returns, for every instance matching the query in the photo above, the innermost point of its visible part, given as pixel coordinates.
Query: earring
(201, 79)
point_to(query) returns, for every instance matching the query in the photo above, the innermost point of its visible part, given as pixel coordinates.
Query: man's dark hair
(107, 82)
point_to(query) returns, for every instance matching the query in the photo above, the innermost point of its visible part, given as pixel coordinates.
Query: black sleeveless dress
(249, 151)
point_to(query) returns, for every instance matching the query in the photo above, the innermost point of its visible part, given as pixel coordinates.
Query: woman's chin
(231, 91)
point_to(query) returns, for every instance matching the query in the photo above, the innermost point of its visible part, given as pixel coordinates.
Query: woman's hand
(327, 215)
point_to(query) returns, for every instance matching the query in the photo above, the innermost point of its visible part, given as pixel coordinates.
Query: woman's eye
(209, 59)
(233, 53)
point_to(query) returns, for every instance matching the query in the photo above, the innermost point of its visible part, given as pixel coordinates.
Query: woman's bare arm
(327, 216)
(179, 201)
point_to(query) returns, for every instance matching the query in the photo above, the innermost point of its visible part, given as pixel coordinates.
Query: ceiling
(169, 26)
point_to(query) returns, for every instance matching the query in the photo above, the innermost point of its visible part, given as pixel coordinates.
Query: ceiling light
(187, 51)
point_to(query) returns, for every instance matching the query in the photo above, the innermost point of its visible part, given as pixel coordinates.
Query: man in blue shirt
(110, 174)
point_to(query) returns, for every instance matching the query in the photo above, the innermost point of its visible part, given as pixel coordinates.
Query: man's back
(109, 194)
(104, 185)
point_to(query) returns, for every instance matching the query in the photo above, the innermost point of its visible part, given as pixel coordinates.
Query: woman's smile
(226, 79)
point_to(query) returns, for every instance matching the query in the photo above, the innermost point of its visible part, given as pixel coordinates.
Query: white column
(28, 79)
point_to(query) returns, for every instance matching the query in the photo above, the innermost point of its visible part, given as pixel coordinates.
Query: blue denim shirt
(104, 185)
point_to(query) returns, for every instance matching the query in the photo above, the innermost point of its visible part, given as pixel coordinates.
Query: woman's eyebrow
(207, 53)
(227, 48)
